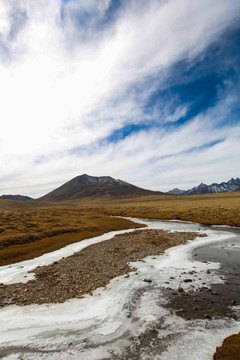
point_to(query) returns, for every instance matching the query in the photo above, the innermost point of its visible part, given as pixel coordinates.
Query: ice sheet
(126, 319)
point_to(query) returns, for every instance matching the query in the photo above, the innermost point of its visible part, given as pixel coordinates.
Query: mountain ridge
(16, 197)
(85, 186)
(229, 186)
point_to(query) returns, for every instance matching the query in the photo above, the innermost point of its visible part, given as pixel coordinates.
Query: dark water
(219, 299)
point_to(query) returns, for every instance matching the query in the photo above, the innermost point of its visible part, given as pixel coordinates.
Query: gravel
(91, 268)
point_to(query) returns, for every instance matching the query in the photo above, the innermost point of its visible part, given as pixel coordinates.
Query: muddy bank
(91, 268)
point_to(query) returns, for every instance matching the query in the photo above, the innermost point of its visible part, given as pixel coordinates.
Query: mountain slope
(16, 197)
(92, 186)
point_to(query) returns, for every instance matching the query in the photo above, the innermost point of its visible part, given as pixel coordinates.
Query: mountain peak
(86, 186)
(176, 191)
(231, 185)
(97, 180)
(228, 186)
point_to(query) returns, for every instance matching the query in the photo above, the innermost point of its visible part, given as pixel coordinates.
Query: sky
(143, 91)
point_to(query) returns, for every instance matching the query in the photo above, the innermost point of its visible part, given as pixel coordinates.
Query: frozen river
(127, 320)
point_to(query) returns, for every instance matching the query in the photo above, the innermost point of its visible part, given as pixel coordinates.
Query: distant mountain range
(86, 186)
(92, 186)
(231, 185)
(16, 197)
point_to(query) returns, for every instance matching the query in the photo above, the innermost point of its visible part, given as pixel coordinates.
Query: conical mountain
(85, 186)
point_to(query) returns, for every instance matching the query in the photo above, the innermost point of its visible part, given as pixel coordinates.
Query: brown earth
(91, 268)
(229, 350)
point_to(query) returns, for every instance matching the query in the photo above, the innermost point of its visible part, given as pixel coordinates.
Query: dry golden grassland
(229, 350)
(211, 209)
(29, 229)
(25, 234)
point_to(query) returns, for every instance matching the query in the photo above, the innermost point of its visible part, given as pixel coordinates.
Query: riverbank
(206, 209)
(27, 234)
(229, 350)
(91, 268)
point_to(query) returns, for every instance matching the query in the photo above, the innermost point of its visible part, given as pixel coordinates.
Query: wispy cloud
(120, 88)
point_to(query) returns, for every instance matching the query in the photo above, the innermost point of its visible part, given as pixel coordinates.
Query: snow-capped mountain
(231, 185)
(176, 191)
(228, 186)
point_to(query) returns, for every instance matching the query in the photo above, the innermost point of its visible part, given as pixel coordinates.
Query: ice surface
(126, 320)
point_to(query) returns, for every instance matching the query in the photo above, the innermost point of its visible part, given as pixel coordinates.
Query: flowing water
(130, 319)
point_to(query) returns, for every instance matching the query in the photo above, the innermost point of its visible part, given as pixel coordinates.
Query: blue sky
(147, 92)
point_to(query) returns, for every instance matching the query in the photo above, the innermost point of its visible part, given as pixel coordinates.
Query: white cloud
(157, 160)
(4, 23)
(64, 87)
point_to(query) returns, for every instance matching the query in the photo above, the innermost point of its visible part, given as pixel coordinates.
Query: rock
(207, 316)
(147, 280)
